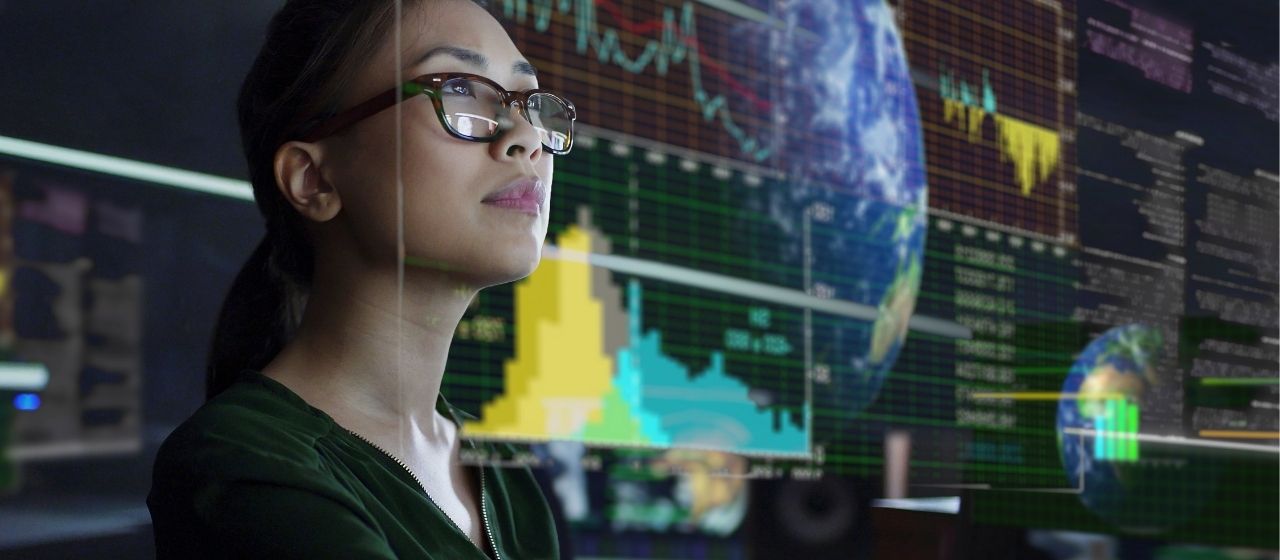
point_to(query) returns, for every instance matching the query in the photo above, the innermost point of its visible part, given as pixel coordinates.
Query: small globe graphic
(1152, 488)
(852, 154)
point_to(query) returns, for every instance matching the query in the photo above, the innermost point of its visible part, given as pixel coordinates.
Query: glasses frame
(430, 85)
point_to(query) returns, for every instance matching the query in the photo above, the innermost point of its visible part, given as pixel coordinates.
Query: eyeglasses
(472, 108)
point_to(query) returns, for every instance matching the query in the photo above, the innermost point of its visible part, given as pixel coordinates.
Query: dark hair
(311, 53)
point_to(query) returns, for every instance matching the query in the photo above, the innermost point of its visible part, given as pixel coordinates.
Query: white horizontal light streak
(120, 167)
(947, 504)
(1176, 440)
(18, 376)
(747, 288)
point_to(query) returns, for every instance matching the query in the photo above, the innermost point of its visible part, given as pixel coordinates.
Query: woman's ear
(297, 169)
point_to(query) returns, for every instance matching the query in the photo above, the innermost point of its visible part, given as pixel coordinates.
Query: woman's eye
(460, 89)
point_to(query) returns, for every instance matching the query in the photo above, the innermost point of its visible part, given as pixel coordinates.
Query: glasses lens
(552, 117)
(471, 108)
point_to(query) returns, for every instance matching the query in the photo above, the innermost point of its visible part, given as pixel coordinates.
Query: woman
(397, 178)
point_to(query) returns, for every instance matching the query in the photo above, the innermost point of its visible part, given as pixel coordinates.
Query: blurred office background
(905, 279)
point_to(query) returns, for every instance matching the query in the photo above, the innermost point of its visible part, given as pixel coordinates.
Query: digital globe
(850, 147)
(1144, 488)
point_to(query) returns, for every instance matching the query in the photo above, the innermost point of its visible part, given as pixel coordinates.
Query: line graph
(676, 43)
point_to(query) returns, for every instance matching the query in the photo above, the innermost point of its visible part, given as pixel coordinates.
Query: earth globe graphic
(1160, 488)
(848, 142)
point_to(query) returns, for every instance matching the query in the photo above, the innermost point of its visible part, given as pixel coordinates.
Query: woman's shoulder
(251, 474)
(253, 428)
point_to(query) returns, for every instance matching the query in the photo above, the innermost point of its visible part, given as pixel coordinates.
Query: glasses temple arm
(341, 121)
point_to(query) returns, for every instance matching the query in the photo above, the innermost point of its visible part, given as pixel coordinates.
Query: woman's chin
(510, 269)
(481, 271)
(527, 267)
(489, 262)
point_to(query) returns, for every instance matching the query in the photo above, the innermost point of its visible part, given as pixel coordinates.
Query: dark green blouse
(258, 473)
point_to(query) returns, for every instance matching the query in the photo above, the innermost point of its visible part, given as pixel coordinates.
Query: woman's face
(447, 223)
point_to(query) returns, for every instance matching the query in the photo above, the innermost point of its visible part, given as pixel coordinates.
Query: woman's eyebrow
(474, 58)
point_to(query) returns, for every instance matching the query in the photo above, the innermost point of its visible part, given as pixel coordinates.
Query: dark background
(156, 81)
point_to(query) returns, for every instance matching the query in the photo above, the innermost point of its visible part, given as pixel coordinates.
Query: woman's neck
(371, 354)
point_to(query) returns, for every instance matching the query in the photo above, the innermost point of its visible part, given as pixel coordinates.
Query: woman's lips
(526, 205)
(524, 195)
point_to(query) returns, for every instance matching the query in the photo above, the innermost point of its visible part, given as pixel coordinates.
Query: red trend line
(638, 28)
(655, 25)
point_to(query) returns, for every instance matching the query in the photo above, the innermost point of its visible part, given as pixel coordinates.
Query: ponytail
(254, 323)
(263, 308)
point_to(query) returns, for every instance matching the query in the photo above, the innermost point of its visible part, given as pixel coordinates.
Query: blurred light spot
(27, 401)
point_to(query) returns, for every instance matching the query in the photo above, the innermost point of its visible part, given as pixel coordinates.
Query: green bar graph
(1115, 431)
(1109, 440)
(1132, 443)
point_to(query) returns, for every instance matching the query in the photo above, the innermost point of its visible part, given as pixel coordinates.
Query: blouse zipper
(484, 511)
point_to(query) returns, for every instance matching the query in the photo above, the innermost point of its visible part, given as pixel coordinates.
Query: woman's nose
(518, 131)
